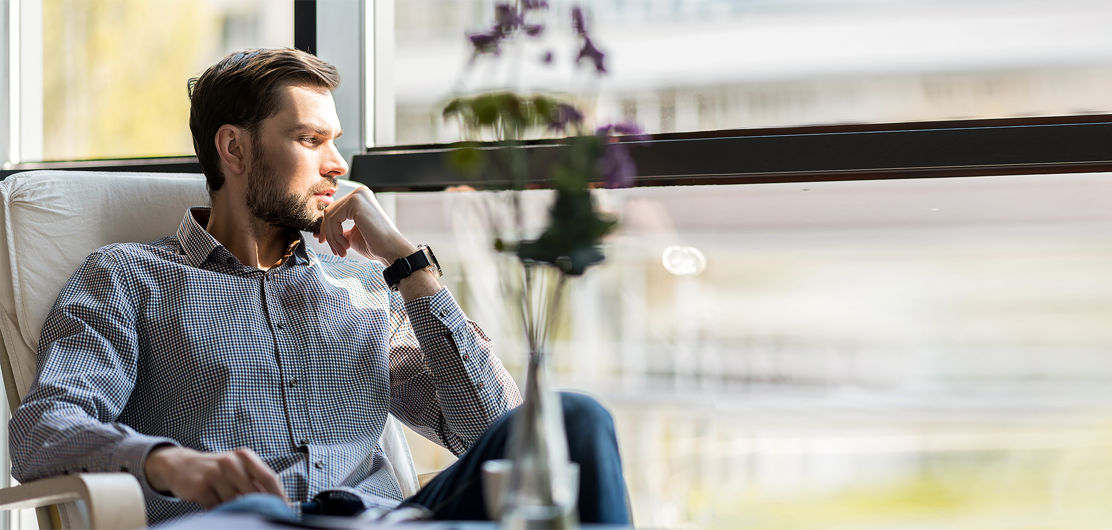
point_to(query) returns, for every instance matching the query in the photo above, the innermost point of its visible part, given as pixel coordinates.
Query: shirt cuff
(131, 456)
(438, 308)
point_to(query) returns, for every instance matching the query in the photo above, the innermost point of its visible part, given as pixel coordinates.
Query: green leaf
(486, 109)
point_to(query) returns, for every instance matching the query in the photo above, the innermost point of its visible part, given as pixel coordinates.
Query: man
(229, 359)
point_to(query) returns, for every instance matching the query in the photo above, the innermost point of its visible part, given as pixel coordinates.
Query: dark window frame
(1007, 146)
(1059, 144)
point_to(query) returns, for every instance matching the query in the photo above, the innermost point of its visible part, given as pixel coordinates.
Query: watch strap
(403, 268)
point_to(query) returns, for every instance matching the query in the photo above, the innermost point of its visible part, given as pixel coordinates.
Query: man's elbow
(22, 470)
(20, 447)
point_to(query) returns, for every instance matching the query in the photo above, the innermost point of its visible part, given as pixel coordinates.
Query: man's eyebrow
(315, 129)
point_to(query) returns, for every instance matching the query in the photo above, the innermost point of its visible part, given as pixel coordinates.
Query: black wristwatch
(403, 267)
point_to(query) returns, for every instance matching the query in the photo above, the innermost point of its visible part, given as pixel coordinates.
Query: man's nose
(334, 164)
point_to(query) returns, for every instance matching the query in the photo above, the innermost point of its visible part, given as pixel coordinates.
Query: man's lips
(325, 196)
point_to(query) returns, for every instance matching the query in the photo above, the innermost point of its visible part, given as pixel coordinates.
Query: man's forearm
(77, 443)
(419, 284)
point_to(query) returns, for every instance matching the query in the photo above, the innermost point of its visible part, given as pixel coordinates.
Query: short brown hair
(242, 90)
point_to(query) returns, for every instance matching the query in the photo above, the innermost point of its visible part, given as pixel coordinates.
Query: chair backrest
(51, 220)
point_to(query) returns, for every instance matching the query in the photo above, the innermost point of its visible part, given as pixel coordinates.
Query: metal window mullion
(6, 122)
(380, 96)
(25, 87)
(339, 41)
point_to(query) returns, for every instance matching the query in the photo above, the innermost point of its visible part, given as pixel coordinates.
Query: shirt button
(319, 464)
(280, 325)
(466, 357)
(480, 385)
(293, 381)
(442, 313)
(303, 441)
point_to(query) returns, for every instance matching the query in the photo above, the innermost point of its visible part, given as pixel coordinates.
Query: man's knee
(583, 414)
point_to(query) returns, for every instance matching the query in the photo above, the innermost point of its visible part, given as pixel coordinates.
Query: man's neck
(252, 241)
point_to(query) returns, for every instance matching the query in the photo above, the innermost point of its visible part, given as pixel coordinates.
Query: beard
(277, 207)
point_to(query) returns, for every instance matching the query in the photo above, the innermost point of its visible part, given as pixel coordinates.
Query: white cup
(496, 473)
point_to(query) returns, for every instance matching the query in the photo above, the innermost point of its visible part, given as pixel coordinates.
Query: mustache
(332, 184)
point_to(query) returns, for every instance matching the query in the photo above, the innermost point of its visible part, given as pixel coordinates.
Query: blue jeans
(457, 492)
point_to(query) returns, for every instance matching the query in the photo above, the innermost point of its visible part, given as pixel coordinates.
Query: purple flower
(547, 57)
(589, 51)
(577, 20)
(485, 42)
(626, 128)
(533, 30)
(564, 115)
(507, 18)
(534, 4)
(616, 166)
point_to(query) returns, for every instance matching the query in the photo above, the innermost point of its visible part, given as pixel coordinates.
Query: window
(113, 72)
(863, 354)
(730, 64)
(885, 353)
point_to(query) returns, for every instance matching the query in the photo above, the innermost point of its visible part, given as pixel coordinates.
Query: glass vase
(542, 488)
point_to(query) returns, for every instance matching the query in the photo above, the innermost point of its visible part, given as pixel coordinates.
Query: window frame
(1006, 146)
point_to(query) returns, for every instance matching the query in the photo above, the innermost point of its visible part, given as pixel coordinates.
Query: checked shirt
(177, 342)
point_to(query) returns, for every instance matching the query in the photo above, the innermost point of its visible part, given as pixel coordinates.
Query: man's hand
(210, 479)
(374, 234)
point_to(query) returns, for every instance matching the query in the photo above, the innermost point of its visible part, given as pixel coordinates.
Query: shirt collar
(199, 244)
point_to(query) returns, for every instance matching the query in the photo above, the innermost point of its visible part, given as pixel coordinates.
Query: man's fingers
(224, 489)
(261, 473)
(208, 498)
(234, 473)
(332, 228)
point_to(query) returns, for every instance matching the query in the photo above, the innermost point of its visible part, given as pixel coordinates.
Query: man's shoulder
(165, 249)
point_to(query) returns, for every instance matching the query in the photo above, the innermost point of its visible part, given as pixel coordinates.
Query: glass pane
(115, 71)
(728, 64)
(877, 354)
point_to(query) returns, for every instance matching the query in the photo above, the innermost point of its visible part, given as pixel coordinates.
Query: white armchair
(51, 220)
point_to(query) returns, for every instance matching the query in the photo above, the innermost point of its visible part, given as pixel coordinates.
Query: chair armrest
(424, 478)
(112, 500)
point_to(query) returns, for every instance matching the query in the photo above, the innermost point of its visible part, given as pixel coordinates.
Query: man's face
(294, 162)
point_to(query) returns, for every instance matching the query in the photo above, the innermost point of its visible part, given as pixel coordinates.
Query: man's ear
(233, 147)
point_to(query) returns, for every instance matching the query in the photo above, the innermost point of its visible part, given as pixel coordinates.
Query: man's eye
(309, 140)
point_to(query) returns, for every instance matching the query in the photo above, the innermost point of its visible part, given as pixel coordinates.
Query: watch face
(432, 259)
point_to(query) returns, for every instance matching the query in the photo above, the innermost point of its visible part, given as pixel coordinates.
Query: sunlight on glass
(114, 71)
(683, 261)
